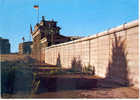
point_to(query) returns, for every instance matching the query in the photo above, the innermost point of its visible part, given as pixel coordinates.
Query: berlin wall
(113, 53)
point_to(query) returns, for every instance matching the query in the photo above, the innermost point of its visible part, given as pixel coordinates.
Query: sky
(75, 17)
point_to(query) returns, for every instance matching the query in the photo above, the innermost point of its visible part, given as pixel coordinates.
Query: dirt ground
(103, 89)
(123, 92)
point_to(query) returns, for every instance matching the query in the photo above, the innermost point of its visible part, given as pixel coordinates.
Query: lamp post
(23, 39)
(51, 36)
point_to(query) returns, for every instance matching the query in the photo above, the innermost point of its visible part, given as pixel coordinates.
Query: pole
(38, 15)
(38, 11)
(51, 37)
(36, 6)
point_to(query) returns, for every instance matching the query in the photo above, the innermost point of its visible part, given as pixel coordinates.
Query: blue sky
(75, 17)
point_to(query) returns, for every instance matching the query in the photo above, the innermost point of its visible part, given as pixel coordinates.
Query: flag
(36, 6)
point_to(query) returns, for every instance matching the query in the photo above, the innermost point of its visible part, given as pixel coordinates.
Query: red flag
(36, 6)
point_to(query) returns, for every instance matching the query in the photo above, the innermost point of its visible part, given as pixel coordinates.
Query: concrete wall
(113, 53)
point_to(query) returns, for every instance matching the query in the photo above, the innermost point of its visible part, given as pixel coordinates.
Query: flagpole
(38, 14)
(37, 8)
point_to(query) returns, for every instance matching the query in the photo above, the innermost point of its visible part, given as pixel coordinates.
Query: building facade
(25, 47)
(45, 34)
(4, 46)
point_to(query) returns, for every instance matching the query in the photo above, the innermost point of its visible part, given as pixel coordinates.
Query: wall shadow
(117, 72)
(58, 62)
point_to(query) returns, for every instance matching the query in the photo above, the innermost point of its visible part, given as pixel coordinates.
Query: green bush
(76, 65)
(89, 69)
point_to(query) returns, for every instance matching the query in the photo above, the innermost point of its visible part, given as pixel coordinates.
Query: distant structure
(74, 37)
(25, 47)
(46, 33)
(4, 46)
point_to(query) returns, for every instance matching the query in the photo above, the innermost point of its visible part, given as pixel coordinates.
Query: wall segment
(113, 53)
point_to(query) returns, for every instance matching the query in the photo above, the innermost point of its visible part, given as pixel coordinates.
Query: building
(25, 47)
(4, 46)
(45, 34)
